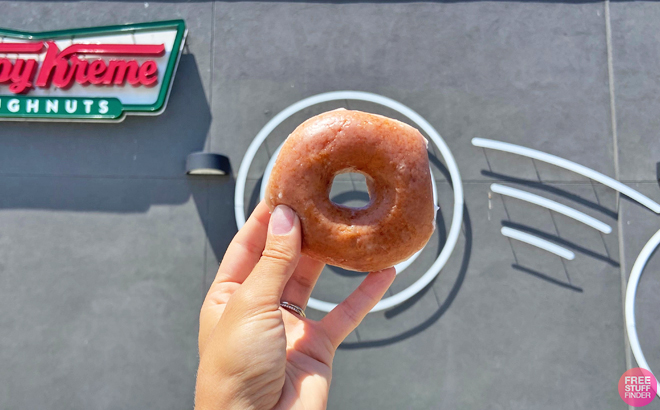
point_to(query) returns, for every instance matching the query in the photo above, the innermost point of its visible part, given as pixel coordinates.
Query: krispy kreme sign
(93, 74)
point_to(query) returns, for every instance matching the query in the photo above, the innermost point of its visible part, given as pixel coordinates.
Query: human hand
(255, 354)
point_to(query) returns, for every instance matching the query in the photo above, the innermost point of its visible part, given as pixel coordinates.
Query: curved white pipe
(550, 204)
(538, 242)
(571, 166)
(631, 293)
(452, 167)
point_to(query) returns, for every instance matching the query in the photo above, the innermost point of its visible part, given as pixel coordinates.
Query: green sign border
(168, 77)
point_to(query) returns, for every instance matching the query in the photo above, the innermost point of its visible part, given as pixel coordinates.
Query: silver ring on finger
(293, 308)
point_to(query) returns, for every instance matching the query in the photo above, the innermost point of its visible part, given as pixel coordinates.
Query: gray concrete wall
(106, 247)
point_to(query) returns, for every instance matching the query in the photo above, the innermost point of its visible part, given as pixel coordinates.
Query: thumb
(278, 260)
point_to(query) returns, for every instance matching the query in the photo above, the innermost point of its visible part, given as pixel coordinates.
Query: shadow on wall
(215, 205)
(553, 190)
(435, 316)
(443, 305)
(554, 237)
(76, 166)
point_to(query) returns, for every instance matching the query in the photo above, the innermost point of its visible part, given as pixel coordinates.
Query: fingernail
(281, 221)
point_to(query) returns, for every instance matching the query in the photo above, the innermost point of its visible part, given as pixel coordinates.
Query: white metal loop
(452, 167)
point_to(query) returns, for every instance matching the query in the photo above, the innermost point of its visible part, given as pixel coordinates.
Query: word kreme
(64, 68)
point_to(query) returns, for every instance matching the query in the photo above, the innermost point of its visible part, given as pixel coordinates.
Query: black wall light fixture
(206, 163)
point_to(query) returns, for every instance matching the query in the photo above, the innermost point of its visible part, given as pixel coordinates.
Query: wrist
(215, 392)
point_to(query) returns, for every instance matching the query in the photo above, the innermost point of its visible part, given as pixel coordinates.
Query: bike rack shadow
(435, 316)
(553, 190)
(446, 304)
(561, 241)
(554, 237)
(546, 278)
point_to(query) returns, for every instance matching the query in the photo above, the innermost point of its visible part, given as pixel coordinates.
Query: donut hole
(349, 189)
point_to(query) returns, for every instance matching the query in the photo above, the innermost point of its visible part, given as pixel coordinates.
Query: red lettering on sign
(81, 70)
(119, 71)
(96, 71)
(23, 48)
(116, 49)
(21, 75)
(64, 68)
(5, 70)
(148, 73)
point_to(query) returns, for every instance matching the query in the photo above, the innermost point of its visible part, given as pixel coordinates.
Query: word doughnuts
(399, 218)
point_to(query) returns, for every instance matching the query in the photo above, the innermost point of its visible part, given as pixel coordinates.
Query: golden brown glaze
(399, 219)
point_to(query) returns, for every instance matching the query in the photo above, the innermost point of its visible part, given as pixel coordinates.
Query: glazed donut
(400, 216)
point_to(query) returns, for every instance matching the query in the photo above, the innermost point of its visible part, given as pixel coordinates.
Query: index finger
(346, 316)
